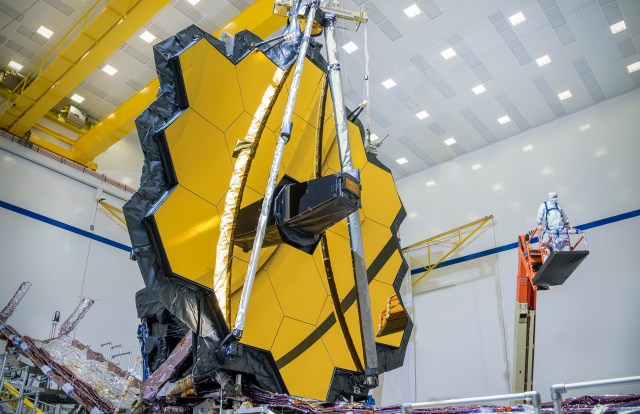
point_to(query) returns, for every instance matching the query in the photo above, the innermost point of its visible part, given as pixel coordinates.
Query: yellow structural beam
(97, 40)
(117, 213)
(9, 392)
(454, 237)
(258, 18)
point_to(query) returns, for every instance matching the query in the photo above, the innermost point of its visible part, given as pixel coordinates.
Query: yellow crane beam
(97, 40)
(454, 237)
(258, 18)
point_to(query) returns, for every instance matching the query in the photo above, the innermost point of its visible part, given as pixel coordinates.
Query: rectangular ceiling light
(193, 2)
(402, 160)
(504, 119)
(389, 83)
(517, 18)
(77, 98)
(422, 115)
(543, 60)
(479, 89)
(147, 37)
(16, 66)
(109, 70)
(584, 127)
(450, 141)
(527, 148)
(618, 27)
(350, 47)
(631, 68)
(476, 166)
(412, 11)
(448, 53)
(43, 31)
(564, 95)
(430, 183)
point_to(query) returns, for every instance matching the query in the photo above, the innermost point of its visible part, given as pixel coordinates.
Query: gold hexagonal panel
(190, 130)
(308, 374)
(212, 74)
(299, 289)
(187, 238)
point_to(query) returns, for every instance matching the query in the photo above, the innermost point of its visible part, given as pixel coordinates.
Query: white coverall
(551, 217)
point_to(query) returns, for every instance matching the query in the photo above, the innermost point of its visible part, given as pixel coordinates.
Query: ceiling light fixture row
(15, 65)
(412, 11)
(109, 70)
(77, 98)
(44, 32)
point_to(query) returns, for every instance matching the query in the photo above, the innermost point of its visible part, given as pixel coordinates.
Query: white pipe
(533, 396)
(558, 389)
(285, 134)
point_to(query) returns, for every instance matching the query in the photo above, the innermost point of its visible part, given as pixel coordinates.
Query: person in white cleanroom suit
(551, 217)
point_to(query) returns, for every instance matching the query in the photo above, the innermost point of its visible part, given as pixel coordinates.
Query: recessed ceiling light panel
(517, 18)
(543, 60)
(350, 47)
(412, 11)
(634, 67)
(479, 89)
(504, 119)
(430, 183)
(448, 53)
(564, 95)
(193, 2)
(618, 27)
(450, 141)
(476, 166)
(402, 160)
(422, 115)
(389, 83)
(15, 65)
(77, 98)
(43, 31)
(109, 70)
(147, 37)
(527, 147)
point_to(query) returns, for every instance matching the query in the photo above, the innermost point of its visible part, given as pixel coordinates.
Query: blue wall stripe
(586, 226)
(64, 226)
(495, 250)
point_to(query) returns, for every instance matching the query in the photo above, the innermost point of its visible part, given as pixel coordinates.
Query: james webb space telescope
(266, 235)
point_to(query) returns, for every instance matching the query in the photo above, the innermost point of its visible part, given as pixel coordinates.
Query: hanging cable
(504, 325)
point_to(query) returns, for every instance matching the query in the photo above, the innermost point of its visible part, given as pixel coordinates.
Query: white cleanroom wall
(61, 264)
(587, 329)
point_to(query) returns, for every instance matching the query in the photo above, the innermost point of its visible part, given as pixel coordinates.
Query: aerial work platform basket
(553, 268)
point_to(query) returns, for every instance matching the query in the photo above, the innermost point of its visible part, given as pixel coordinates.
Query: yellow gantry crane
(454, 239)
(85, 46)
(394, 317)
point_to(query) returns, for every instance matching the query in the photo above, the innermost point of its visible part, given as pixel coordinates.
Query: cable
(504, 325)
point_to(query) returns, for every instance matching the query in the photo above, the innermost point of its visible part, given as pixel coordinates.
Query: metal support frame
(355, 232)
(533, 396)
(444, 238)
(558, 389)
(285, 134)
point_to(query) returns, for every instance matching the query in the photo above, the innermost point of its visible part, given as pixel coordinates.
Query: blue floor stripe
(586, 226)
(64, 226)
